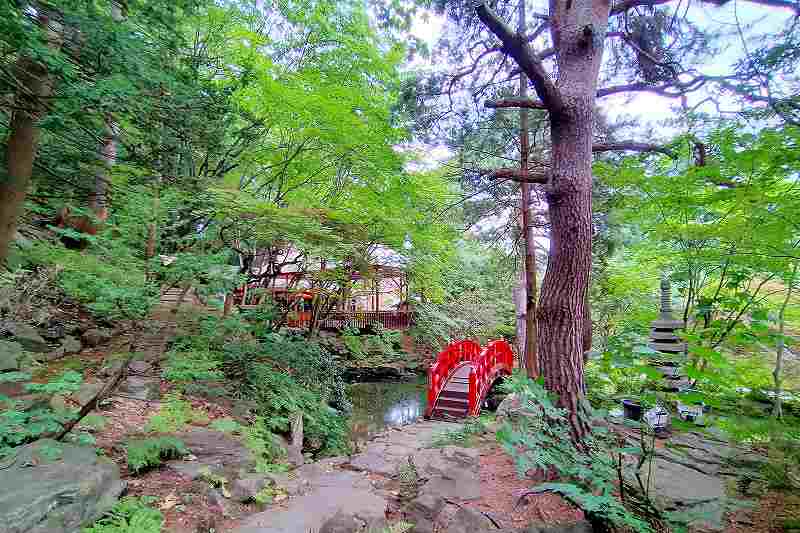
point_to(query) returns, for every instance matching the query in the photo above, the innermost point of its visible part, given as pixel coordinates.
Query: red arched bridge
(462, 376)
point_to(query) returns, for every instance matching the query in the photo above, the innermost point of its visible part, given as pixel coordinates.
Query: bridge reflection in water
(384, 404)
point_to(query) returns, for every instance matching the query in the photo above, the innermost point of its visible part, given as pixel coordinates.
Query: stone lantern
(663, 339)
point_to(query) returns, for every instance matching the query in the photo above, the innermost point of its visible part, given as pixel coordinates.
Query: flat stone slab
(699, 497)
(688, 475)
(386, 452)
(213, 450)
(341, 491)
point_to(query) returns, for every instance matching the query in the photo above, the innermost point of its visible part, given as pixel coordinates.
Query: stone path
(358, 486)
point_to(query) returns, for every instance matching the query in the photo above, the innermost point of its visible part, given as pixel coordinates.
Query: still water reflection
(380, 405)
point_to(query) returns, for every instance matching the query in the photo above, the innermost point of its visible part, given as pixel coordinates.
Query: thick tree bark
(23, 137)
(578, 29)
(562, 314)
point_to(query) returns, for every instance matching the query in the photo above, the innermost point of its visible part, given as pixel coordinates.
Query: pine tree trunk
(23, 137)
(562, 309)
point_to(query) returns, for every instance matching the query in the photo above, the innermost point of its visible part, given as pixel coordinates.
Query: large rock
(56, 488)
(29, 338)
(10, 353)
(87, 392)
(245, 488)
(455, 482)
(424, 508)
(700, 498)
(141, 388)
(215, 452)
(71, 345)
(95, 337)
(342, 523)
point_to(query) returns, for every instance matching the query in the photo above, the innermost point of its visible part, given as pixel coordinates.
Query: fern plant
(19, 424)
(130, 515)
(143, 454)
(173, 415)
(540, 440)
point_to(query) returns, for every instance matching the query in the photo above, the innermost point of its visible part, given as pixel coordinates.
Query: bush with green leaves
(381, 344)
(540, 440)
(130, 515)
(192, 368)
(146, 453)
(282, 373)
(20, 424)
(280, 396)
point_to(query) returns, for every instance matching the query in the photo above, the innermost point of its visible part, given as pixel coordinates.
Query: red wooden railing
(496, 359)
(365, 319)
(485, 366)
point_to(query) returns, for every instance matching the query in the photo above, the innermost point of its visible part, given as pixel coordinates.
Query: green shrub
(280, 396)
(130, 515)
(173, 415)
(150, 452)
(283, 374)
(191, 367)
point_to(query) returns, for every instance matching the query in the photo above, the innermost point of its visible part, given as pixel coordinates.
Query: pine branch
(517, 47)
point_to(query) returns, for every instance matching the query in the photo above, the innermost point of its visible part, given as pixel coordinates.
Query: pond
(384, 404)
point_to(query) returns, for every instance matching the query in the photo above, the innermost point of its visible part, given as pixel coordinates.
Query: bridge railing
(448, 361)
(496, 357)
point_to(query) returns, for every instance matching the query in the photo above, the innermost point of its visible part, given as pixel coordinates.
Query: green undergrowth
(280, 374)
(149, 452)
(173, 415)
(130, 515)
(541, 441)
(107, 277)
